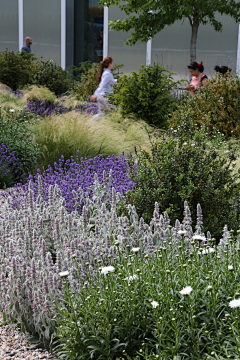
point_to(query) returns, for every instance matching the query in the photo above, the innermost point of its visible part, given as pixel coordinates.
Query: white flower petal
(136, 249)
(234, 303)
(206, 251)
(105, 270)
(64, 273)
(131, 278)
(186, 290)
(198, 237)
(154, 304)
(181, 232)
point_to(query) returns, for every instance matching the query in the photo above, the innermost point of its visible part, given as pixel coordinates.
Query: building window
(88, 31)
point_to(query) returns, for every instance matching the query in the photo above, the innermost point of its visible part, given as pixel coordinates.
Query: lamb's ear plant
(109, 283)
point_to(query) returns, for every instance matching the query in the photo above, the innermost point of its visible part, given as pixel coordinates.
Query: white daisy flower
(207, 251)
(12, 110)
(154, 304)
(234, 303)
(198, 237)
(105, 270)
(131, 278)
(186, 290)
(181, 232)
(230, 267)
(185, 143)
(64, 273)
(136, 249)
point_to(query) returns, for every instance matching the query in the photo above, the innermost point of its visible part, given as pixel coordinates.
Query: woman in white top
(106, 82)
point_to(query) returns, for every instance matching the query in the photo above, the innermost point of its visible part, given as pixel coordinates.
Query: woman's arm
(190, 88)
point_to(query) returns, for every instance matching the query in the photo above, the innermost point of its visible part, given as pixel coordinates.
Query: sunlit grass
(9, 101)
(66, 133)
(40, 92)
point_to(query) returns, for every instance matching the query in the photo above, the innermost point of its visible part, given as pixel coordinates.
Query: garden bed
(106, 254)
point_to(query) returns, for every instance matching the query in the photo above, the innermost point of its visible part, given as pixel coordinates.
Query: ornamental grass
(9, 100)
(68, 133)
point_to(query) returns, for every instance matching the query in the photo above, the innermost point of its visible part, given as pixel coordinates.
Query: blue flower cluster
(16, 93)
(41, 108)
(47, 108)
(10, 166)
(90, 108)
(78, 176)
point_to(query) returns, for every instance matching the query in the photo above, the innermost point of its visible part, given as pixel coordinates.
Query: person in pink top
(198, 78)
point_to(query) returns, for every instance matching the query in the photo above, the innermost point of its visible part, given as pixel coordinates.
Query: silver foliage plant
(41, 240)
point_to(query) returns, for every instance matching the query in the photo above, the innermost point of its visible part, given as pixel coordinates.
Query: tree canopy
(146, 18)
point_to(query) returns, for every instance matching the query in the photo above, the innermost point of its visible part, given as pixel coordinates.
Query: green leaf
(34, 340)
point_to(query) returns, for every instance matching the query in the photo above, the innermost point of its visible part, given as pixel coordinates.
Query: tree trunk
(193, 43)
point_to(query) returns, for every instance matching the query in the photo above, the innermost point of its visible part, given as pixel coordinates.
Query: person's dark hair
(222, 69)
(194, 65)
(104, 65)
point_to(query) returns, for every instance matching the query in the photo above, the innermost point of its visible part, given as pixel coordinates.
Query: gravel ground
(14, 345)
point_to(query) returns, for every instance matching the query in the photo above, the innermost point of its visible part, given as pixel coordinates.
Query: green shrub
(52, 76)
(16, 70)
(18, 138)
(6, 176)
(217, 104)
(89, 82)
(184, 167)
(146, 95)
(81, 70)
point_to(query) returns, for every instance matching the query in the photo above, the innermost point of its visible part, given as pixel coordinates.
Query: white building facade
(73, 31)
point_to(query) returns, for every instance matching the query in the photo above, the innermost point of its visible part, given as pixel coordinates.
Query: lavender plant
(40, 108)
(75, 178)
(48, 108)
(105, 283)
(16, 93)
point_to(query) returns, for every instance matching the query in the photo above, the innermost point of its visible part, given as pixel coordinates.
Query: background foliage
(54, 77)
(16, 70)
(18, 138)
(217, 105)
(146, 94)
(184, 167)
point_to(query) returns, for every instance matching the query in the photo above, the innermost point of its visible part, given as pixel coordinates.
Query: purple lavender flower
(77, 177)
(16, 93)
(48, 108)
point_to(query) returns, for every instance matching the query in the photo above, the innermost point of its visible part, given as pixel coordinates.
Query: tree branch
(190, 20)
